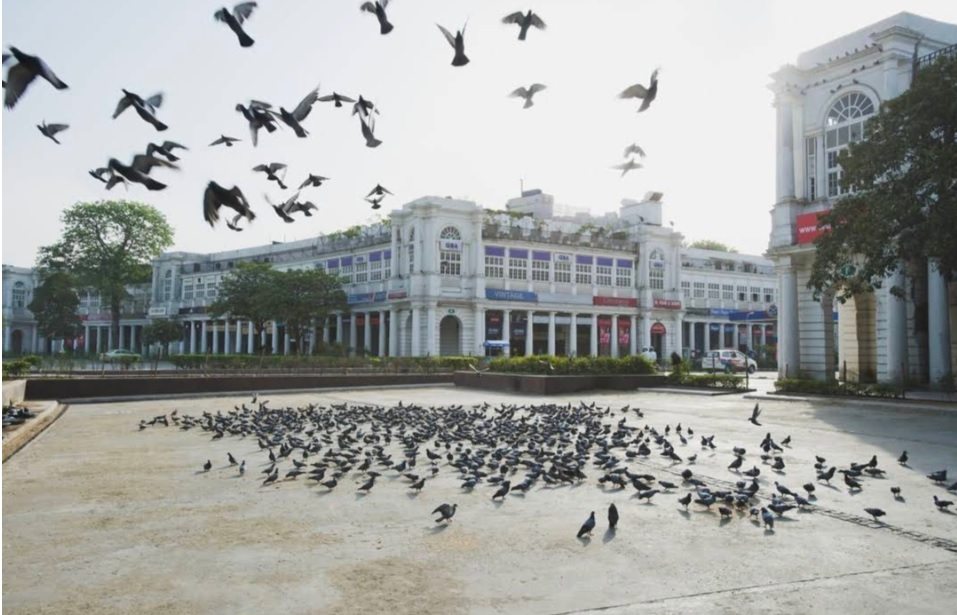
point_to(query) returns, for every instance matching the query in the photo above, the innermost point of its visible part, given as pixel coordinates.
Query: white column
(109, 337)
(340, 334)
(896, 332)
(573, 338)
(6, 338)
(393, 332)
(416, 332)
(789, 357)
(86, 338)
(202, 337)
(33, 340)
(275, 337)
(133, 338)
(227, 341)
(286, 341)
(764, 335)
(192, 337)
(529, 333)
(383, 351)
(614, 336)
(938, 320)
(432, 332)
(480, 330)
(633, 346)
(367, 332)
(678, 337)
(785, 148)
(403, 348)
(250, 346)
(551, 334)
(353, 332)
(707, 336)
(122, 336)
(645, 330)
(326, 331)
(594, 335)
(215, 324)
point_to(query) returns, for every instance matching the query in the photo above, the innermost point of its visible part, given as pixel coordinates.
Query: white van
(728, 361)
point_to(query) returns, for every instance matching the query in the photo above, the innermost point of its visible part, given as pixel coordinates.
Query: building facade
(823, 103)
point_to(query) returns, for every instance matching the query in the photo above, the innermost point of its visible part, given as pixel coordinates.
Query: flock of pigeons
(551, 444)
(262, 115)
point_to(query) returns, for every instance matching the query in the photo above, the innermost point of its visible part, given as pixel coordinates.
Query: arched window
(19, 295)
(656, 269)
(846, 123)
(450, 251)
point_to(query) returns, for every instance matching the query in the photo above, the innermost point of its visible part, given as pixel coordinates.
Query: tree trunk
(115, 308)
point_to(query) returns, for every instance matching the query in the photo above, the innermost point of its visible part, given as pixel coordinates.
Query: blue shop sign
(359, 298)
(721, 311)
(510, 295)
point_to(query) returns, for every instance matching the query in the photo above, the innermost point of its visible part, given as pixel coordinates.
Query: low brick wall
(532, 384)
(79, 388)
(14, 391)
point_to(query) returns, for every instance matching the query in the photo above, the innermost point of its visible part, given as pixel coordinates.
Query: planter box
(533, 384)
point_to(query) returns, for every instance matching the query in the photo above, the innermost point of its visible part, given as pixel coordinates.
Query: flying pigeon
(524, 22)
(639, 91)
(50, 130)
(378, 9)
(527, 93)
(458, 44)
(235, 19)
(22, 74)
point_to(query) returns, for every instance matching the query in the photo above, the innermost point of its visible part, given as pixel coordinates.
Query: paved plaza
(101, 517)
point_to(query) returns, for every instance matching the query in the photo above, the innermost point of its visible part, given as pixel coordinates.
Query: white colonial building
(823, 102)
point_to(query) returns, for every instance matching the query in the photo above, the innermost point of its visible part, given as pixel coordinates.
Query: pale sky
(446, 131)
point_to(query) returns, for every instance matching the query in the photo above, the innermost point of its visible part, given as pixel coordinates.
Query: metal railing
(928, 59)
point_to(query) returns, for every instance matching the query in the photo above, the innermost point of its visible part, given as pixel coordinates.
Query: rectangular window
(603, 275)
(755, 294)
(540, 271)
(450, 262)
(769, 295)
(167, 289)
(583, 273)
(727, 292)
(686, 290)
(656, 279)
(362, 272)
(411, 252)
(810, 171)
(387, 267)
(699, 290)
(563, 272)
(623, 277)
(517, 268)
(346, 272)
(494, 266)
(375, 271)
(187, 289)
(714, 291)
(742, 293)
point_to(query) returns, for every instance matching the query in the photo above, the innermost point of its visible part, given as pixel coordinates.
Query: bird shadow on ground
(685, 514)
(900, 499)
(768, 532)
(519, 494)
(199, 472)
(784, 519)
(854, 491)
(830, 486)
(585, 540)
(498, 503)
(724, 521)
(946, 512)
(360, 495)
(435, 529)
(412, 494)
(609, 535)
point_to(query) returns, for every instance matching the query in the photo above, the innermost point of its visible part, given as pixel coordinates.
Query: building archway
(857, 322)
(450, 337)
(16, 341)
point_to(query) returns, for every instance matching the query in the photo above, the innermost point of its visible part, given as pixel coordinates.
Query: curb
(31, 430)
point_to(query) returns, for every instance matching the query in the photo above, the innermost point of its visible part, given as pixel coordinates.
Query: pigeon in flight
(378, 9)
(138, 171)
(233, 224)
(527, 93)
(283, 209)
(235, 19)
(313, 180)
(270, 171)
(368, 133)
(628, 166)
(166, 149)
(446, 512)
(259, 116)
(336, 98)
(363, 107)
(634, 148)
(50, 130)
(224, 140)
(145, 108)
(524, 22)
(587, 526)
(458, 44)
(376, 202)
(217, 196)
(378, 190)
(303, 207)
(297, 115)
(754, 415)
(22, 74)
(639, 91)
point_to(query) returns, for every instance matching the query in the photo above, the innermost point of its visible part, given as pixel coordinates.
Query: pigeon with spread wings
(217, 196)
(235, 19)
(51, 130)
(300, 113)
(527, 93)
(224, 140)
(524, 22)
(628, 166)
(22, 74)
(378, 9)
(145, 108)
(639, 91)
(458, 44)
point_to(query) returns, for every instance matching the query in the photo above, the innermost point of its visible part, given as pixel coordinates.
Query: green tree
(307, 295)
(249, 293)
(163, 331)
(711, 244)
(55, 304)
(902, 209)
(108, 245)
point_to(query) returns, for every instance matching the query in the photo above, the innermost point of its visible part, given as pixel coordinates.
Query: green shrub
(539, 364)
(853, 389)
(15, 369)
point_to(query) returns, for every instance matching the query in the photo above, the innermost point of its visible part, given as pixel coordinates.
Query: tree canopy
(54, 305)
(107, 245)
(902, 208)
(163, 331)
(711, 244)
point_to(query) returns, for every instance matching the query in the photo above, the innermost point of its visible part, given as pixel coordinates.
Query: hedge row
(318, 363)
(713, 381)
(572, 365)
(850, 389)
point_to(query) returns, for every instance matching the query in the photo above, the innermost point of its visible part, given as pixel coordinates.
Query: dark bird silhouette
(503, 490)
(896, 491)
(272, 476)
(145, 108)
(232, 460)
(242, 468)
(875, 512)
(50, 130)
(224, 140)
(524, 22)
(942, 504)
(809, 487)
(207, 466)
(938, 476)
(630, 165)
(364, 107)
(282, 210)
(527, 93)
(330, 484)
(303, 207)
(686, 500)
(376, 202)
(639, 91)
(754, 415)
(851, 483)
(634, 148)
(738, 460)
(903, 458)
(258, 116)
(100, 172)
(270, 171)
(418, 485)
(378, 9)
(446, 512)
(300, 113)
(612, 516)
(724, 512)
(587, 526)
(368, 133)
(313, 180)
(165, 149)
(378, 190)
(22, 74)
(368, 485)
(458, 44)
(336, 98)
(827, 476)
(235, 19)
(217, 196)
(138, 170)
(768, 518)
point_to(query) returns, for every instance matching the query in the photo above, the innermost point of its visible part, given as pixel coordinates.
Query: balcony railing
(926, 60)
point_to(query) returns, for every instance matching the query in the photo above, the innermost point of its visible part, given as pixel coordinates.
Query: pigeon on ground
(378, 9)
(272, 477)
(524, 22)
(503, 490)
(938, 476)
(612, 516)
(446, 512)
(527, 94)
(896, 491)
(235, 19)
(232, 460)
(724, 512)
(22, 74)
(768, 518)
(587, 526)
(242, 468)
(685, 500)
(207, 466)
(145, 108)
(368, 485)
(903, 458)
(942, 504)
(639, 91)
(50, 130)
(875, 512)
(458, 44)
(224, 140)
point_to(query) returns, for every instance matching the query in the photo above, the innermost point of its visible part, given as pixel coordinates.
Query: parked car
(728, 361)
(650, 354)
(119, 354)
